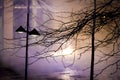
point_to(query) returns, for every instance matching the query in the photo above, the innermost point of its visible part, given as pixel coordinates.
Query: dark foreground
(8, 74)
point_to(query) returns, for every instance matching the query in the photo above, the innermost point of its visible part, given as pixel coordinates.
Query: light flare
(66, 51)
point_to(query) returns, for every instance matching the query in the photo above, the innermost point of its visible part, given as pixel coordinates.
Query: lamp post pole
(34, 32)
(92, 43)
(27, 35)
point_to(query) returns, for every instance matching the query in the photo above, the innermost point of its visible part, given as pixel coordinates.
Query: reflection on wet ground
(67, 74)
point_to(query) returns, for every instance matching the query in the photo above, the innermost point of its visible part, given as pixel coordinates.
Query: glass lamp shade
(34, 32)
(20, 30)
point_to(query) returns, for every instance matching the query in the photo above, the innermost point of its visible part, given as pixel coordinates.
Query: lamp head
(34, 32)
(20, 30)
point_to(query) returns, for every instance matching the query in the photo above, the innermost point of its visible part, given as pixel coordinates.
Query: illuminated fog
(64, 61)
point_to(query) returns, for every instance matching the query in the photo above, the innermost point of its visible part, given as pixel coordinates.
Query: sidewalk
(8, 74)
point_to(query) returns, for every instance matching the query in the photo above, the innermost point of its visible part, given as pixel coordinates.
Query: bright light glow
(20, 32)
(34, 35)
(66, 51)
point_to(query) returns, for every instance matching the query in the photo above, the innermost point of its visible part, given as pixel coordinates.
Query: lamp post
(33, 32)
(92, 43)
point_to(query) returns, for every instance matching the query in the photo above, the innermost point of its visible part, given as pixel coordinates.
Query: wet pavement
(8, 74)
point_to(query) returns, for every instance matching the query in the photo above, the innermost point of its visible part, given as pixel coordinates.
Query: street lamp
(34, 32)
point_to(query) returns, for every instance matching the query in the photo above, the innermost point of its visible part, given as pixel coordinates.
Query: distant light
(20, 7)
(24, 7)
(104, 16)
